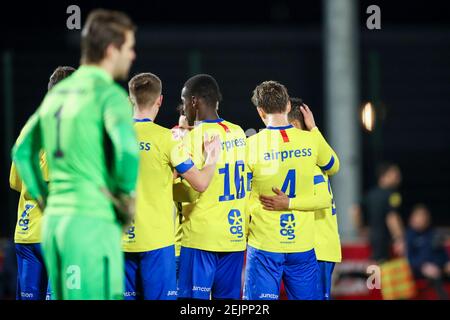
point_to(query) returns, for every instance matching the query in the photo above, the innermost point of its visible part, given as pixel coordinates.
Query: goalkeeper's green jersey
(85, 126)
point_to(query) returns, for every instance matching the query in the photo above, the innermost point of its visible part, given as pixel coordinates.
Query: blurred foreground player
(149, 243)
(79, 121)
(327, 242)
(32, 278)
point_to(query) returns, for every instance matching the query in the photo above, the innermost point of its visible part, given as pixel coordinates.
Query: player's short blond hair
(144, 89)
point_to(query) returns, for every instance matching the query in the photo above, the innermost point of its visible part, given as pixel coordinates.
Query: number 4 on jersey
(289, 182)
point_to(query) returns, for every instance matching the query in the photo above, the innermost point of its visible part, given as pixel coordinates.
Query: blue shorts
(326, 271)
(151, 275)
(32, 279)
(265, 270)
(205, 274)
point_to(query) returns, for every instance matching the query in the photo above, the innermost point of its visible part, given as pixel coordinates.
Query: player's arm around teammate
(327, 243)
(213, 241)
(322, 196)
(149, 243)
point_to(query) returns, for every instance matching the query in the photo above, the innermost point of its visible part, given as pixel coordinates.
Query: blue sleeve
(184, 166)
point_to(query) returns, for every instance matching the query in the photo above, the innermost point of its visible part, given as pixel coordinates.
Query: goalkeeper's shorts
(84, 257)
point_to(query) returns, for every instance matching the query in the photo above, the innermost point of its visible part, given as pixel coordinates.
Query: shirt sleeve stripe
(329, 165)
(184, 166)
(319, 179)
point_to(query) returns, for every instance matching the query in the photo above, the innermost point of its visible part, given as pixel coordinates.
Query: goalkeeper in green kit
(85, 127)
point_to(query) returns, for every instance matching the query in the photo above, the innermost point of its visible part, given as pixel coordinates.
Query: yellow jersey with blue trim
(286, 158)
(327, 242)
(29, 215)
(160, 154)
(216, 221)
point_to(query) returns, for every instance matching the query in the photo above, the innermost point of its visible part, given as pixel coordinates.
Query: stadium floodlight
(368, 116)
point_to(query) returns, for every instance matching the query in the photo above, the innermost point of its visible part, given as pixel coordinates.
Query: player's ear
(131, 99)
(288, 108)
(297, 124)
(111, 51)
(194, 101)
(160, 101)
(261, 113)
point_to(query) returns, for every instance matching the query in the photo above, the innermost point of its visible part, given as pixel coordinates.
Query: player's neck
(104, 65)
(277, 120)
(146, 112)
(208, 115)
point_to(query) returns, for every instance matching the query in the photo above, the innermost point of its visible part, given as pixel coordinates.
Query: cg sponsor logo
(24, 220)
(131, 233)
(235, 220)
(287, 223)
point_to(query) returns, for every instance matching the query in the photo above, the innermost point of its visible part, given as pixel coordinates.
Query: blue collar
(280, 128)
(143, 120)
(212, 121)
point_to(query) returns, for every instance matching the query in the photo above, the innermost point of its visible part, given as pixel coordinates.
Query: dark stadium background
(405, 67)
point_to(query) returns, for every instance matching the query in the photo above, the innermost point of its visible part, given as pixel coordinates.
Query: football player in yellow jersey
(327, 242)
(149, 242)
(281, 243)
(213, 242)
(32, 279)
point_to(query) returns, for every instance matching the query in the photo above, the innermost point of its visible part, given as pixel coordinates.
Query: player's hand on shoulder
(212, 148)
(308, 116)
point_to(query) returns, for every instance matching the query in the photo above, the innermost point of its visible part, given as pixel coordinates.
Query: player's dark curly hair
(205, 87)
(271, 96)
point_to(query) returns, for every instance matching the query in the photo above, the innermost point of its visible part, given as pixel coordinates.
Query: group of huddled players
(115, 206)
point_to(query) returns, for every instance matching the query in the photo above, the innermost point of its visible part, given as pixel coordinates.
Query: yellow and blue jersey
(286, 158)
(160, 154)
(327, 242)
(29, 215)
(217, 219)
